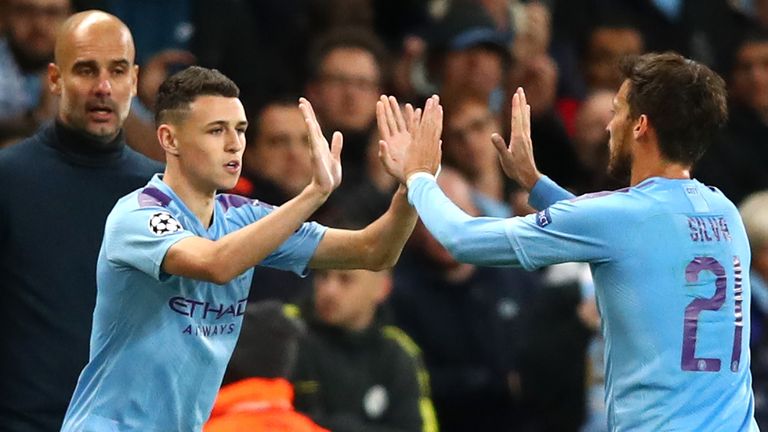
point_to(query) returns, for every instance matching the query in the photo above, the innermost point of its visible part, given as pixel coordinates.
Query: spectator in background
(276, 167)
(754, 213)
(354, 371)
(469, 124)
(590, 141)
(255, 395)
(348, 70)
(58, 187)
(736, 163)
(26, 48)
(469, 322)
(605, 45)
(467, 53)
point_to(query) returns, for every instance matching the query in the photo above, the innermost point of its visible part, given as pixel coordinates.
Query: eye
(119, 71)
(241, 130)
(216, 131)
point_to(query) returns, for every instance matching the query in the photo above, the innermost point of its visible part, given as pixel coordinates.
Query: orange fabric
(258, 405)
(243, 187)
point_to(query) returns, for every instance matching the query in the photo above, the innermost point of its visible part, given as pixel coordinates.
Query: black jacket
(56, 190)
(368, 381)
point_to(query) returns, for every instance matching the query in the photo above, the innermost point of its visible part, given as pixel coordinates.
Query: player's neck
(198, 200)
(670, 170)
(647, 162)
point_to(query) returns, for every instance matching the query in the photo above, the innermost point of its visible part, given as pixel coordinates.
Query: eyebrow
(225, 123)
(95, 64)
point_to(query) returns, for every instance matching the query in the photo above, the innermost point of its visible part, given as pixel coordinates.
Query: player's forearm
(222, 260)
(472, 240)
(375, 247)
(387, 235)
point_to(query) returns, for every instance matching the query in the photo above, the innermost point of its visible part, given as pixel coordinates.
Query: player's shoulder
(143, 202)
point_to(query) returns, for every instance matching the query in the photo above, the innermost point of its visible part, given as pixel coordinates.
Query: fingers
(410, 115)
(389, 114)
(525, 113)
(381, 120)
(337, 143)
(398, 115)
(309, 116)
(515, 113)
(500, 145)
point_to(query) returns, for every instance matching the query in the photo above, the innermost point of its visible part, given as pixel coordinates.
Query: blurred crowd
(488, 348)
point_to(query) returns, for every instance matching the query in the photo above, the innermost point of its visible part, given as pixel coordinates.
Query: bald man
(57, 188)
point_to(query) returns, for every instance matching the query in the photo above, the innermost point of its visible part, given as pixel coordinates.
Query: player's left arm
(375, 247)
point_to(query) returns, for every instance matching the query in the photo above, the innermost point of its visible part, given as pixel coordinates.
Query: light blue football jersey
(670, 262)
(160, 343)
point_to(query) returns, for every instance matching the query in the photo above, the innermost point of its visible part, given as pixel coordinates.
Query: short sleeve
(141, 237)
(295, 253)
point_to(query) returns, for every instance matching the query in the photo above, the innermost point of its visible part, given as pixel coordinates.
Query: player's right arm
(221, 260)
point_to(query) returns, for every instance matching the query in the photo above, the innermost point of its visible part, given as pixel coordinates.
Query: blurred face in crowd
(477, 70)
(347, 88)
(349, 298)
(31, 27)
(279, 151)
(590, 135)
(467, 137)
(94, 74)
(606, 47)
(749, 84)
(620, 130)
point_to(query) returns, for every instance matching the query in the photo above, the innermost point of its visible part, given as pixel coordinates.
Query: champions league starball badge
(163, 223)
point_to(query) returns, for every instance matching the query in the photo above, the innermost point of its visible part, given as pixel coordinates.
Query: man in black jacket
(353, 372)
(57, 188)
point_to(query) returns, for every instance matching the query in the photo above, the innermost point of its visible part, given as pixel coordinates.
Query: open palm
(326, 163)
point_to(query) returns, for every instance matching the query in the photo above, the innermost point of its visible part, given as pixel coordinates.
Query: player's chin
(228, 183)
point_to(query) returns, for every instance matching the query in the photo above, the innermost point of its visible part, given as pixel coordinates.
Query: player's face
(96, 79)
(620, 130)
(280, 150)
(210, 142)
(349, 298)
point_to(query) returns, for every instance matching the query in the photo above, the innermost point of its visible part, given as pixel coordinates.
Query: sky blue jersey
(160, 343)
(670, 262)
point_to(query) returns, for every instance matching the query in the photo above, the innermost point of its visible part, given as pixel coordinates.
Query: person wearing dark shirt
(57, 188)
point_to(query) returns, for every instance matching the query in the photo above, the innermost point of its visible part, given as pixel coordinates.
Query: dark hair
(179, 90)
(353, 37)
(685, 101)
(268, 343)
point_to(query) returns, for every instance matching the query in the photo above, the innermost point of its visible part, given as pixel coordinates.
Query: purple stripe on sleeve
(152, 197)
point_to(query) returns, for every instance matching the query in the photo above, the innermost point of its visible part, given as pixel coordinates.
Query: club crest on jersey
(543, 218)
(163, 223)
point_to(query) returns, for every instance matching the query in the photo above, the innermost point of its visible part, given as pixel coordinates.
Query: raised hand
(326, 163)
(517, 158)
(403, 157)
(396, 131)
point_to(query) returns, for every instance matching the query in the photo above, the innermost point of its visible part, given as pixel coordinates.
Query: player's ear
(641, 126)
(166, 136)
